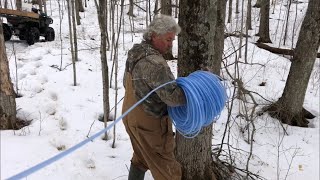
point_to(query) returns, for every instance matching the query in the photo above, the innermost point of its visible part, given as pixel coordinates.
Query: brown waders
(151, 138)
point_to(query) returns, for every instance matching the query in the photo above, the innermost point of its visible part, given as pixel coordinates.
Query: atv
(27, 26)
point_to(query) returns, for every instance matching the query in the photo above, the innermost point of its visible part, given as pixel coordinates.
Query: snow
(63, 114)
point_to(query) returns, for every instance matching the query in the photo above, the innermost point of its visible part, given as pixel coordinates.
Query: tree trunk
(71, 24)
(264, 22)
(230, 11)
(19, 4)
(102, 18)
(74, 30)
(76, 8)
(45, 6)
(248, 24)
(166, 7)
(237, 7)
(40, 5)
(289, 108)
(258, 4)
(7, 95)
(81, 8)
(130, 12)
(199, 47)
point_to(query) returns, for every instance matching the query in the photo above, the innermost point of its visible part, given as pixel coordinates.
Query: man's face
(163, 42)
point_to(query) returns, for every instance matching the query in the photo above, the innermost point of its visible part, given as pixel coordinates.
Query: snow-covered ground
(63, 114)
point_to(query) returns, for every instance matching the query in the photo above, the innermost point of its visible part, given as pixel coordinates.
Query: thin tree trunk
(77, 14)
(19, 4)
(45, 6)
(249, 25)
(40, 5)
(264, 22)
(237, 6)
(71, 24)
(230, 11)
(287, 22)
(81, 8)
(130, 12)
(102, 15)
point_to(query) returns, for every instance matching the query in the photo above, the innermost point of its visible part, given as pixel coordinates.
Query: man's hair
(160, 25)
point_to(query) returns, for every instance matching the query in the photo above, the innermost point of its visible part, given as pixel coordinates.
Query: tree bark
(258, 4)
(7, 96)
(200, 46)
(249, 24)
(166, 7)
(19, 4)
(81, 8)
(76, 8)
(130, 12)
(289, 108)
(230, 11)
(264, 22)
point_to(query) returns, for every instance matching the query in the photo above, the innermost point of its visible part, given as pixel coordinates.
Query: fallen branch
(278, 50)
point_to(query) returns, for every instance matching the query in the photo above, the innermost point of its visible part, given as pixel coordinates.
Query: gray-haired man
(148, 125)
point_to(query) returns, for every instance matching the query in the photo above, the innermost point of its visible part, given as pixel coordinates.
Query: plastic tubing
(205, 99)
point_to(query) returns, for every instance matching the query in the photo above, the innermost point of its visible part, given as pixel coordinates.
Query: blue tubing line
(75, 147)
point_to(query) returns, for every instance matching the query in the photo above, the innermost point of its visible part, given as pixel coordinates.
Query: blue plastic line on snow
(75, 147)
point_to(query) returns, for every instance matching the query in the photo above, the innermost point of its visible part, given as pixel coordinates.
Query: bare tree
(200, 46)
(71, 23)
(102, 18)
(264, 22)
(289, 108)
(7, 96)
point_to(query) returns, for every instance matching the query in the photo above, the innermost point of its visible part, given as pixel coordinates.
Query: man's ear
(154, 36)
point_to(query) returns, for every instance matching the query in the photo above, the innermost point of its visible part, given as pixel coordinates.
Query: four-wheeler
(27, 26)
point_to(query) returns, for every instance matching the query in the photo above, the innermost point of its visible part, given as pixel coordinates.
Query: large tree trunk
(166, 7)
(264, 22)
(7, 95)
(199, 47)
(289, 108)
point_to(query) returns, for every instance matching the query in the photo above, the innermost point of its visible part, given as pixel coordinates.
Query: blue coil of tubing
(205, 99)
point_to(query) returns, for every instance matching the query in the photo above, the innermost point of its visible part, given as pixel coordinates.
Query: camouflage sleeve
(156, 72)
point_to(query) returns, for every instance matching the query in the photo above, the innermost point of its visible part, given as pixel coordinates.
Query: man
(148, 125)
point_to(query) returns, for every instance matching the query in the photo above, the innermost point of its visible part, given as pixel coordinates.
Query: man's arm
(157, 72)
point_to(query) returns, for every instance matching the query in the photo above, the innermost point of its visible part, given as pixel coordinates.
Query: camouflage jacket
(149, 70)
